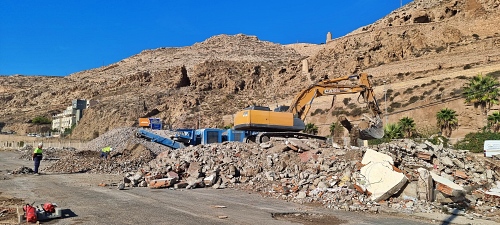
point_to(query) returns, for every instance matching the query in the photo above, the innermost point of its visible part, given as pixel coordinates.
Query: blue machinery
(184, 137)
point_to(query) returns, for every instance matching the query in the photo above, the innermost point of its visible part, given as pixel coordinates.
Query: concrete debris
(22, 170)
(378, 176)
(447, 187)
(298, 144)
(403, 176)
(129, 159)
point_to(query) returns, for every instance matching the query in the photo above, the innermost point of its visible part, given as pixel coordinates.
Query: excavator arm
(360, 83)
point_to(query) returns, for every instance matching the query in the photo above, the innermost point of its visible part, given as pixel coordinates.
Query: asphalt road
(87, 203)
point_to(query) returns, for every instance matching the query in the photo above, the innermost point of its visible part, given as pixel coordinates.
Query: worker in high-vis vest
(105, 151)
(37, 157)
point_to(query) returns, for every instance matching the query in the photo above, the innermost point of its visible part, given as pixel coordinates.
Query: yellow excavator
(287, 121)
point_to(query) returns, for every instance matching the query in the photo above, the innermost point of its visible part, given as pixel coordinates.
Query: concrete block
(149, 178)
(210, 180)
(374, 156)
(447, 187)
(379, 177)
(381, 180)
(425, 185)
(162, 183)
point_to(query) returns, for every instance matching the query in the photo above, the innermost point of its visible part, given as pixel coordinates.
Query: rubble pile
(129, 158)
(400, 176)
(22, 170)
(49, 153)
(119, 138)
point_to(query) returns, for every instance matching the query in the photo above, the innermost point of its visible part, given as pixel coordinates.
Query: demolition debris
(401, 176)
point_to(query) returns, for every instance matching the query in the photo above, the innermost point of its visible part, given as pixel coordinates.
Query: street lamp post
(385, 101)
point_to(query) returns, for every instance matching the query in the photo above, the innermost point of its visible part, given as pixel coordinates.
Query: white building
(71, 115)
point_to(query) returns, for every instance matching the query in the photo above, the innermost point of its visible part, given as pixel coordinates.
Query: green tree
(407, 125)
(447, 121)
(332, 128)
(393, 131)
(41, 120)
(482, 91)
(494, 122)
(311, 128)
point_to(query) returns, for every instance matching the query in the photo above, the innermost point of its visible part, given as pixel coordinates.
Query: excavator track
(266, 136)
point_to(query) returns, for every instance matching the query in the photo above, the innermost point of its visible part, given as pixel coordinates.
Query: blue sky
(60, 37)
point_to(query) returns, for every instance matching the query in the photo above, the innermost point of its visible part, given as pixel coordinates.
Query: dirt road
(88, 203)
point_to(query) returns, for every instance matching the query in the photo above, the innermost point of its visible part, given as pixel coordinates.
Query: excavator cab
(282, 108)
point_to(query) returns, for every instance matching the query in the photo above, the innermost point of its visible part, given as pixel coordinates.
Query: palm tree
(311, 129)
(494, 121)
(407, 126)
(482, 91)
(447, 121)
(393, 131)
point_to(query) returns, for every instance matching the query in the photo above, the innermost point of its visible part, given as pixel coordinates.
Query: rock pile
(128, 158)
(48, 153)
(421, 177)
(120, 138)
(22, 170)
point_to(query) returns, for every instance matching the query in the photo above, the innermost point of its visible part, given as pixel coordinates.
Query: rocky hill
(424, 51)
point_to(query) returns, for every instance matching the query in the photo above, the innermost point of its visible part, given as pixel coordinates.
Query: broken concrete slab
(298, 144)
(381, 180)
(447, 161)
(149, 178)
(425, 185)
(447, 187)
(379, 177)
(374, 156)
(410, 190)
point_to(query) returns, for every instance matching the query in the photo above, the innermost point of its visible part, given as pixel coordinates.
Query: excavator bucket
(367, 130)
(375, 131)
